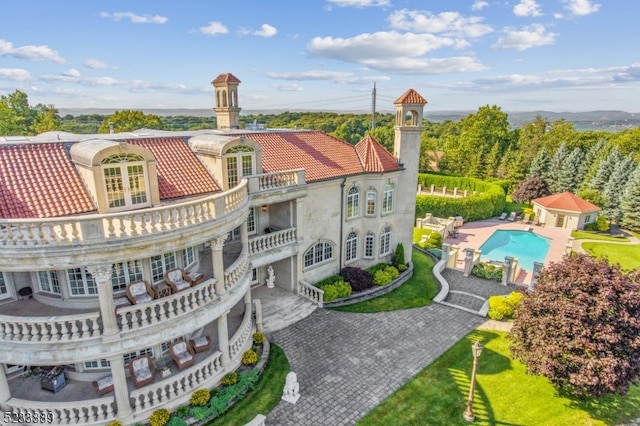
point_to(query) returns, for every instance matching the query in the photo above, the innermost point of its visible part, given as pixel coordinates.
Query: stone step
(287, 313)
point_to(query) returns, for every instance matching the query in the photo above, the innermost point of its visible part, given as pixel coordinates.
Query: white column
(102, 276)
(120, 388)
(218, 263)
(244, 236)
(223, 339)
(5, 392)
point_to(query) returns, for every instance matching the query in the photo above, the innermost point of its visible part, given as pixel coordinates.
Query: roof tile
(374, 157)
(410, 97)
(566, 201)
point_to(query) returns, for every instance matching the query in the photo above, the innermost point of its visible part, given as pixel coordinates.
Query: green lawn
(264, 397)
(418, 291)
(504, 394)
(627, 255)
(419, 232)
(585, 235)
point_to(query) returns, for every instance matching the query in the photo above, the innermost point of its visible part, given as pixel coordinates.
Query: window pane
(371, 202)
(115, 187)
(247, 165)
(137, 185)
(232, 171)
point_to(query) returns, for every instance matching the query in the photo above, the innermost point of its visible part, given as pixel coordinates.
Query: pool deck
(474, 234)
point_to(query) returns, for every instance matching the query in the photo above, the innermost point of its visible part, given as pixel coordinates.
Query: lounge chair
(142, 370)
(140, 292)
(527, 218)
(177, 279)
(503, 216)
(182, 354)
(104, 385)
(512, 216)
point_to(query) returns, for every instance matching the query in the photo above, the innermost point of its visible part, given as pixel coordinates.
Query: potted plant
(25, 293)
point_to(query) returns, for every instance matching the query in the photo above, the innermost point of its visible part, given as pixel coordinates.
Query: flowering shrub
(200, 397)
(229, 379)
(159, 417)
(249, 357)
(258, 338)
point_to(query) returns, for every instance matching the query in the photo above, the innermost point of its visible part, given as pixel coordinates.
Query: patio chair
(140, 292)
(527, 218)
(142, 370)
(201, 344)
(104, 385)
(177, 279)
(512, 216)
(503, 216)
(182, 354)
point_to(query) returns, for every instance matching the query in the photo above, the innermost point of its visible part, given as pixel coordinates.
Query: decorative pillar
(453, 259)
(507, 269)
(537, 270)
(218, 263)
(102, 276)
(120, 388)
(468, 261)
(446, 251)
(258, 306)
(5, 392)
(244, 236)
(223, 339)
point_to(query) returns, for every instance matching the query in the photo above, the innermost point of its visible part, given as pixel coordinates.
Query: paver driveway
(348, 363)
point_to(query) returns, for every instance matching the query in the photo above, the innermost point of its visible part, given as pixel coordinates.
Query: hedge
(489, 201)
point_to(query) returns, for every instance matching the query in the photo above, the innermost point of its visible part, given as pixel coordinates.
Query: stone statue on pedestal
(271, 277)
(291, 391)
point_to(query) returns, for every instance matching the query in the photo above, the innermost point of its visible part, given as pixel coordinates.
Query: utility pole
(373, 107)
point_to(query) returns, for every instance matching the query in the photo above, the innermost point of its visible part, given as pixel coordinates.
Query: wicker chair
(142, 370)
(182, 354)
(104, 385)
(140, 292)
(177, 279)
(201, 344)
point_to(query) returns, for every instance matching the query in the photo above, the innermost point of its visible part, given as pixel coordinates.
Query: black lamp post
(476, 349)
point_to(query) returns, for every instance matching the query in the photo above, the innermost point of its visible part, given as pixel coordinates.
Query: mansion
(117, 248)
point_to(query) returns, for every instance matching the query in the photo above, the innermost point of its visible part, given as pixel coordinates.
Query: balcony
(270, 188)
(269, 248)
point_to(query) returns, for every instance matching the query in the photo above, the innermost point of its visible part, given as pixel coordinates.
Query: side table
(161, 290)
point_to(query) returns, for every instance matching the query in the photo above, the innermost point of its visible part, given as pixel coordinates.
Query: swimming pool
(525, 245)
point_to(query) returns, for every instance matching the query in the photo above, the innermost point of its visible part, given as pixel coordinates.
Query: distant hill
(591, 120)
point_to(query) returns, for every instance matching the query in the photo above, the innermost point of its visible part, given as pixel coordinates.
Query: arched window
(318, 253)
(369, 244)
(351, 248)
(126, 181)
(372, 194)
(385, 241)
(240, 164)
(353, 202)
(387, 198)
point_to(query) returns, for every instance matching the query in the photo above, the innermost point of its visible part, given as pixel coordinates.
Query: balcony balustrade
(271, 241)
(277, 180)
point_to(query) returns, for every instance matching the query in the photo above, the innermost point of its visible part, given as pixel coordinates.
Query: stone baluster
(102, 276)
(507, 269)
(468, 261)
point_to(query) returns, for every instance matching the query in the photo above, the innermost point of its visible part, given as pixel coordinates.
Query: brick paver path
(349, 363)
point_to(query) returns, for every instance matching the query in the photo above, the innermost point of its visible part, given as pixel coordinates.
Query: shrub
(515, 299)
(115, 423)
(183, 410)
(229, 379)
(336, 291)
(177, 421)
(602, 224)
(329, 280)
(382, 278)
(258, 338)
(398, 256)
(402, 268)
(250, 357)
(487, 271)
(433, 242)
(358, 278)
(200, 397)
(499, 308)
(159, 417)
(377, 267)
(393, 271)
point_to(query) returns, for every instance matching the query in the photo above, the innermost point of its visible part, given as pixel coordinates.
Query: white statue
(291, 391)
(271, 277)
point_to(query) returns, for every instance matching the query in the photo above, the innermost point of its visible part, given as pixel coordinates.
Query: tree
(580, 327)
(555, 168)
(615, 187)
(129, 120)
(530, 189)
(540, 164)
(605, 169)
(630, 205)
(569, 175)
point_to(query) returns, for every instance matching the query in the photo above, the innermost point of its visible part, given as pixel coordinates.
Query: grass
(266, 394)
(418, 291)
(586, 235)
(504, 394)
(419, 232)
(627, 255)
(512, 206)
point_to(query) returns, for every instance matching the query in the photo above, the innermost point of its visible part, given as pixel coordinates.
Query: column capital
(218, 242)
(101, 273)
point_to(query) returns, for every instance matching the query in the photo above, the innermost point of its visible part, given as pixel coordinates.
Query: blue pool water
(525, 245)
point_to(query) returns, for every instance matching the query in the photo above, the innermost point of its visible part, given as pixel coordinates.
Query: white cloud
(581, 7)
(214, 28)
(94, 64)
(531, 36)
(71, 72)
(316, 75)
(30, 53)
(527, 8)
(448, 23)
(290, 87)
(15, 74)
(479, 5)
(266, 31)
(428, 66)
(360, 3)
(134, 18)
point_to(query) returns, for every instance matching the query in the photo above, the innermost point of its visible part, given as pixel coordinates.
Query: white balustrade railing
(242, 335)
(310, 292)
(236, 271)
(201, 375)
(63, 328)
(70, 230)
(84, 412)
(277, 180)
(273, 240)
(139, 316)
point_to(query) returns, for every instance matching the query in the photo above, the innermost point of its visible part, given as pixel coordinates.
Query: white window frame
(162, 263)
(130, 271)
(370, 203)
(319, 253)
(48, 282)
(125, 188)
(237, 160)
(84, 286)
(255, 276)
(351, 247)
(98, 364)
(385, 241)
(369, 245)
(131, 355)
(387, 198)
(353, 202)
(587, 219)
(252, 221)
(188, 256)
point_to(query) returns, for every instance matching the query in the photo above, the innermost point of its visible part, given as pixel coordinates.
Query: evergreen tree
(555, 166)
(590, 158)
(569, 175)
(540, 165)
(605, 169)
(615, 188)
(630, 204)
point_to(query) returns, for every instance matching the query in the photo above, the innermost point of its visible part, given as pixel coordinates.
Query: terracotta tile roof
(374, 157)
(321, 155)
(410, 97)
(179, 171)
(226, 78)
(566, 201)
(39, 180)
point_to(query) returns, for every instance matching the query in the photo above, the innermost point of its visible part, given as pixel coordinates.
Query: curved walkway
(349, 363)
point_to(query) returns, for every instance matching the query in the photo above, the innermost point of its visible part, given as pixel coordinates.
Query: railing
(50, 329)
(242, 335)
(270, 241)
(131, 224)
(277, 180)
(87, 412)
(158, 310)
(310, 292)
(202, 375)
(236, 271)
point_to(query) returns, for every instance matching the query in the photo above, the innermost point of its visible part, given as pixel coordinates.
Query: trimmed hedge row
(489, 201)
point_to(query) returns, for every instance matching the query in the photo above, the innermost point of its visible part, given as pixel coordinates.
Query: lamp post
(476, 349)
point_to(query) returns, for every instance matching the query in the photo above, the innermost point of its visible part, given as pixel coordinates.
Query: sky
(521, 55)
